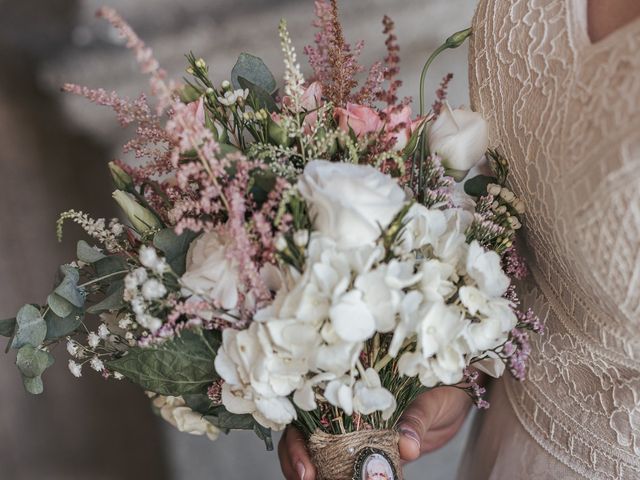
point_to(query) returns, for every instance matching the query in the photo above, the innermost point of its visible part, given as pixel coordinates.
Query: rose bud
(460, 137)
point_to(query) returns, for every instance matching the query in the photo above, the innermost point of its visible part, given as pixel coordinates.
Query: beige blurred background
(53, 155)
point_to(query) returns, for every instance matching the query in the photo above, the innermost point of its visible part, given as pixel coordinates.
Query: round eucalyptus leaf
(31, 361)
(31, 328)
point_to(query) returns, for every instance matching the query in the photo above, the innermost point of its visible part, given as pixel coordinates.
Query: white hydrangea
(440, 297)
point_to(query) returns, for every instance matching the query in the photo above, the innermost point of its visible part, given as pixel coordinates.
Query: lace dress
(566, 113)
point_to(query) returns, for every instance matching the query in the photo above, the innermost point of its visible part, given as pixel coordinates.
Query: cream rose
(210, 274)
(461, 138)
(350, 203)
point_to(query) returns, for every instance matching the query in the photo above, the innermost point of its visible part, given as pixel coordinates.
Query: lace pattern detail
(565, 112)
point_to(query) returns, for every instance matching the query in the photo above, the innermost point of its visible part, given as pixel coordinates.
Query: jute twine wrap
(335, 455)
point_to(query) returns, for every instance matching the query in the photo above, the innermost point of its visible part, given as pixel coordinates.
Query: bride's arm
(605, 17)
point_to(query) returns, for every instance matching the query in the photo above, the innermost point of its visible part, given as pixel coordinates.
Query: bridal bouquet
(302, 254)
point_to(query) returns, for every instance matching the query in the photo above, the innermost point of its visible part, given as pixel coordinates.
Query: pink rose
(312, 97)
(360, 119)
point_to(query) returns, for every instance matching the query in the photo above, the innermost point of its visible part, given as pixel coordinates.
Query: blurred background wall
(53, 154)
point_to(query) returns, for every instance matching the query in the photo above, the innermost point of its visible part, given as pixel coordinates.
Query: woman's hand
(431, 421)
(428, 424)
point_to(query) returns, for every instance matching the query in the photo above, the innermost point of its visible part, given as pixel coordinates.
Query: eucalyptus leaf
(68, 287)
(477, 186)
(31, 328)
(253, 69)
(179, 366)
(59, 326)
(33, 385)
(260, 97)
(59, 305)
(7, 327)
(31, 361)
(174, 247)
(88, 254)
(110, 265)
(113, 299)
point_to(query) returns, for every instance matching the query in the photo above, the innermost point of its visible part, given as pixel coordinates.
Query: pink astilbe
(162, 90)
(333, 60)
(392, 65)
(319, 55)
(441, 95)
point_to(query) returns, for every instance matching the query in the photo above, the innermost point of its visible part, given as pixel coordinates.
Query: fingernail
(410, 433)
(300, 469)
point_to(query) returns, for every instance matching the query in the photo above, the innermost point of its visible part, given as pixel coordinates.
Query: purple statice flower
(530, 321)
(514, 264)
(519, 348)
(474, 389)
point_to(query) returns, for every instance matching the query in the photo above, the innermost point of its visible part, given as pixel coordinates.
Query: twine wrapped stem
(335, 456)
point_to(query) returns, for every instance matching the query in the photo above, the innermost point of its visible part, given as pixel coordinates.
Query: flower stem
(454, 41)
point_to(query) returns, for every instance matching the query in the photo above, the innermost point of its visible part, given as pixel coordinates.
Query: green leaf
(261, 98)
(174, 247)
(110, 265)
(31, 361)
(113, 299)
(231, 421)
(7, 327)
(477, 186)
(224, 420)
(226, 149)
(413, 142)
(88, 254)
(68, 288)
(33, 385)
(198, 402)
(59, 305)
(58, 326)
(180, 366)
(253, 69)
(31, 328)
(264, 434)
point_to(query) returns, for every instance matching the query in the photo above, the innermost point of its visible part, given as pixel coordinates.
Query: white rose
(210, 274)
(461, 138)
(350, 203)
